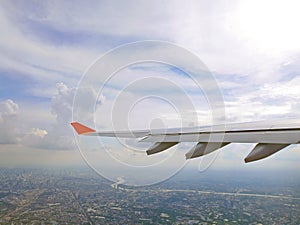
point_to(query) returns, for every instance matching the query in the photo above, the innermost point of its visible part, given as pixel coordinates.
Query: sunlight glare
(269, 25)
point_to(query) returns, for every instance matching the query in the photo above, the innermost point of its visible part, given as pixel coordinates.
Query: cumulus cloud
(34, 138)
(61, 103)
(38, 132)
(13, 132)
(8, 113)
(8, 108)
(59, 136)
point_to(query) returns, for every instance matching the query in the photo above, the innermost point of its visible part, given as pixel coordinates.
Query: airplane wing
(270, 137)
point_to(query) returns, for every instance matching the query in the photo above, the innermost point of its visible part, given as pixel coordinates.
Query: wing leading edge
(270, 137)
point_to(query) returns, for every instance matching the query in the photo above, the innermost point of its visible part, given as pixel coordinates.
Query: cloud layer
(46, 46)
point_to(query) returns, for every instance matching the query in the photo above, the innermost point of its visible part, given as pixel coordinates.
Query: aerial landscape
(149, 112)
(79, 196)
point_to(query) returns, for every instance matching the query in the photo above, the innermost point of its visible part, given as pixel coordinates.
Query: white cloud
(8, 108)
(211, 30)
(38, 132)
(270, 101)
(38, 60)
(35, 138)
(106, 18)
(62, 102)
(254, 66)
(8, 113)
(58, 136)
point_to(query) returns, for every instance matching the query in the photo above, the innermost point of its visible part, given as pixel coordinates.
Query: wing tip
(82, 129)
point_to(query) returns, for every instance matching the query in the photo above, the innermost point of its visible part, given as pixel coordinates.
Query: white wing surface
(270, 137)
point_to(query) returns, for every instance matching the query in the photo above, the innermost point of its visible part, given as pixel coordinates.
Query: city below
(79, 196)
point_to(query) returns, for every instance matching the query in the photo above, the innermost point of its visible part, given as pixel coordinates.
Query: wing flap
(204, 148)
(261, 151)
(160, 146)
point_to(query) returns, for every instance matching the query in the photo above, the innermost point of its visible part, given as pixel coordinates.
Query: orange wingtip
(81, 129)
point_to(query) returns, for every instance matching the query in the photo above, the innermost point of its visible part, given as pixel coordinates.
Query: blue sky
(46, 46)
